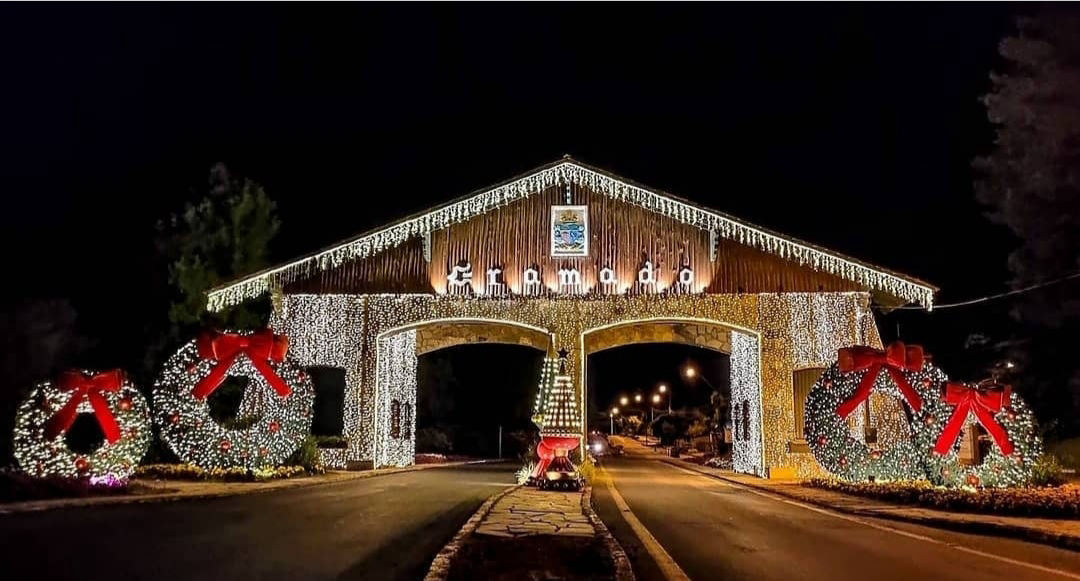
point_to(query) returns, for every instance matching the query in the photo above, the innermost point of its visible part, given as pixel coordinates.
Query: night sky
(849, 126)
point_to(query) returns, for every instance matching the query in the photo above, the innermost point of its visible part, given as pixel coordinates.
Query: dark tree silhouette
(225, 234)
(1031, 184)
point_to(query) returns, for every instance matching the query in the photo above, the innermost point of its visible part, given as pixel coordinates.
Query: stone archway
(396, 362)
(742, 345)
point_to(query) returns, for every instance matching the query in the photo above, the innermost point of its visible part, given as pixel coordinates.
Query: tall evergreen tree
(1031, 184)
(225, 234)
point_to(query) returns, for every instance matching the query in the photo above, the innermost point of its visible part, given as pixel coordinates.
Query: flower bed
(1050, 501)
(234, 474)
(16, 486)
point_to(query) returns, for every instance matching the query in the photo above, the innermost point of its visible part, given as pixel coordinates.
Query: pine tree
(1031, 184)
(225, 234)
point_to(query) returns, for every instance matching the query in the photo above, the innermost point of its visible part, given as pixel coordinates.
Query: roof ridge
(567, 170)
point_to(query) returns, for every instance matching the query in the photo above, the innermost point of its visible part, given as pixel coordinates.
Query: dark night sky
(850, 126)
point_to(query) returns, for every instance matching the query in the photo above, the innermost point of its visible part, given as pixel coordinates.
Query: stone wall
(435, 336)
(708, 336)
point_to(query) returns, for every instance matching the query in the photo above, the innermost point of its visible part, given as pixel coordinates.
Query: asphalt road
(387, 528)
(716, 531)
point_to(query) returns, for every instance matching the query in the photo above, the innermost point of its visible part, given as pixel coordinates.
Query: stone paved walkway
(528, 511)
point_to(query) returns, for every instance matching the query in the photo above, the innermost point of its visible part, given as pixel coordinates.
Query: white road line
(670, 569)
(871, 524)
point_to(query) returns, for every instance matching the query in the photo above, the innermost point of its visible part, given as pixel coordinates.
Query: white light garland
(570, 172)
(39, 455)
(349, 331)
(396, 377)
(280, 422)
(746, 391)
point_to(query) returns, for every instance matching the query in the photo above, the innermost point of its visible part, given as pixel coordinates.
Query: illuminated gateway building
(571, 257)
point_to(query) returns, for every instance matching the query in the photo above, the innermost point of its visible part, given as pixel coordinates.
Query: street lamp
(611, 416)
(624, 400)
(637, 397)
(690, 372)
(662, 387)
(656, 398)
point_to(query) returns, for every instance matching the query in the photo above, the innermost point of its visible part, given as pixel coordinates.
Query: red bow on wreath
(982, 400)
(90, 388)
(896, 359)
(261, 347)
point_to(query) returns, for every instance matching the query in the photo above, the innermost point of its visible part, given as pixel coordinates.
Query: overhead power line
(990, 297)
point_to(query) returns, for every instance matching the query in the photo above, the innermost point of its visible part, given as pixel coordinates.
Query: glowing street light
(662, 387)
(624, 400)
(690, 372)
(656, 398)
(637, 397)
(611, 419)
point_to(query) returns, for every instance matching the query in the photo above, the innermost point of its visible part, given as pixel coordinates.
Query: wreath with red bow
(45, 417)
(277, 402)
(855, 445)
(1008, 439)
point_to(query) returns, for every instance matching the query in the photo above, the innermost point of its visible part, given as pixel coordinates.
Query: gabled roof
(570, 171)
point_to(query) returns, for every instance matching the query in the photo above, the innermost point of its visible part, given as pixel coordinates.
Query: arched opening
(476, 400)
(737, 350)
(469, 341)
(668, 391)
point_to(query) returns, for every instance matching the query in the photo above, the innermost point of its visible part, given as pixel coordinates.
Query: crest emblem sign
(569, 231)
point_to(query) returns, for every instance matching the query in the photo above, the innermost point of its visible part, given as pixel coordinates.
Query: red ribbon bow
(91, 388)
(896, 359)
(261, 347)
(985, 402)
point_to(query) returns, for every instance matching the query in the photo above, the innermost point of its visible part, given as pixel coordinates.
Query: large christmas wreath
(278, 401)
(45, 417)
(990, 412)
(838, 436)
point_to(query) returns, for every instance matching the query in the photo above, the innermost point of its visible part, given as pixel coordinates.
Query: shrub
(1046, 471)
(433, 439)
(337, 442)
(236, 474)
(1059, 502)
(1068, 452)
(307, 456)
(587, 469)
(16, 486)
(523, 473)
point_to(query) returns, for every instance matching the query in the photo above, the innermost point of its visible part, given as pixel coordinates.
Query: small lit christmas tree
(562, 418)
(548, 370)
(560, 432)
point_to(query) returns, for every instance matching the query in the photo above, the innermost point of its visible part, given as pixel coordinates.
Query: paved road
(385, 528)
(716, 531)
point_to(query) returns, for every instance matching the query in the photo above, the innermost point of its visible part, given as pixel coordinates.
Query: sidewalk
(525, 533)
(1058, 532)
(528, 511)
(172, 490)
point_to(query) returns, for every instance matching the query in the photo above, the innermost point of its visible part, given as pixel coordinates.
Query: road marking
(882, 527)
(668, 567)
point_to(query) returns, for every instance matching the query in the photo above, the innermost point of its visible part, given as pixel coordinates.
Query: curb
(1035, 535)
(440, 565)
(623, 571)
(287, 484)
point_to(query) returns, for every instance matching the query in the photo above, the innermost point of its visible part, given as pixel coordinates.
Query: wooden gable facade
(622, 237)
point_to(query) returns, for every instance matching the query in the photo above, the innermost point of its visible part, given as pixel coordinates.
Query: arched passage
(743, 348)
(396, 363)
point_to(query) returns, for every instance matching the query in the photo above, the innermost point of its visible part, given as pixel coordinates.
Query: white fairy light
(280, 423)
(349, 331)
(41, 456)
(570, 172)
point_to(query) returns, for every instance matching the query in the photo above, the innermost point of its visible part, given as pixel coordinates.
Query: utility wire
(988, 298)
